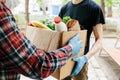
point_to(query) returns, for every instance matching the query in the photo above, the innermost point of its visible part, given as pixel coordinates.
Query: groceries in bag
(59, 25)
(73, 25)
(39, 25)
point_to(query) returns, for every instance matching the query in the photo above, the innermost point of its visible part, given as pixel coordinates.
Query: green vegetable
(66, 19)
(42, 21)
(51, 26)
(48, 24)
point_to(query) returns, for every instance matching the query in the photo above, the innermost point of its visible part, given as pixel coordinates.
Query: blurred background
(27, 10)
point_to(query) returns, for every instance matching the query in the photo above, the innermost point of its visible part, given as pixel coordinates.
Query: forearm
(37, 63)
(98, 33)
(96, 46)
(52, 61)
(32, 62)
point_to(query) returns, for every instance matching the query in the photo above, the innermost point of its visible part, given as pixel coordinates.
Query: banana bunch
(39, 25)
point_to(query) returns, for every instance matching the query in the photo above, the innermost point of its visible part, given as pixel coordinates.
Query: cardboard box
(51, 40)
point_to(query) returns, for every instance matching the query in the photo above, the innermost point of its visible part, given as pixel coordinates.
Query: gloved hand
(80, 61)
(75, 44)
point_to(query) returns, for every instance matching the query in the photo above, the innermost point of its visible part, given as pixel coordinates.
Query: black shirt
(88, 13)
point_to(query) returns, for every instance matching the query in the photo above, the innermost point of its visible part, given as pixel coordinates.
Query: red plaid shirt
(19, 56)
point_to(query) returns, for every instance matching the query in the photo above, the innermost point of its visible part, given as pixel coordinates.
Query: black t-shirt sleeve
(98, 16)
(62, 11)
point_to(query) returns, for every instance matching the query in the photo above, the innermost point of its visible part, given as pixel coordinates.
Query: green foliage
(65, 1)
(108, 3)
(20, 19)
(116, 2)
(97, 1)
(40, 3)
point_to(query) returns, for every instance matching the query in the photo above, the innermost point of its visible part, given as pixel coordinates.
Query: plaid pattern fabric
(19, 56)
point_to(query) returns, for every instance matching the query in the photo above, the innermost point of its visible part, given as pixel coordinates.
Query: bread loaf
(73, 25)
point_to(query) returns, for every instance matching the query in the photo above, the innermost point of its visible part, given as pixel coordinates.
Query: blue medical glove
(75, 44)
(80, 61)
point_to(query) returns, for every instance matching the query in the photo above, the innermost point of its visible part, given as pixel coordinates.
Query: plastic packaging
(59, 25)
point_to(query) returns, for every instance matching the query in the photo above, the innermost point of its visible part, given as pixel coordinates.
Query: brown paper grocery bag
(51, 40)
(43, 39)
(68, 67)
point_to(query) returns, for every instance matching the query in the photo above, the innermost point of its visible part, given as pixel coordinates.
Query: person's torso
(84, 13)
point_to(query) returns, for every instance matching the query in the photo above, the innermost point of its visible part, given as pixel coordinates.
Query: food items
(73, 25)
(59, 25)
(66, 19)
(39, 25)
(30, 24)
(49, 23)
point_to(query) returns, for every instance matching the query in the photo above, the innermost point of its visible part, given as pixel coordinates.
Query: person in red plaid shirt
(19, 56)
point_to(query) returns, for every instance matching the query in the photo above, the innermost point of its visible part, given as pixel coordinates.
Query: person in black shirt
(91, 18)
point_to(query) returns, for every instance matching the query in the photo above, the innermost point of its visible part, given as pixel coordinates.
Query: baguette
(39, 25)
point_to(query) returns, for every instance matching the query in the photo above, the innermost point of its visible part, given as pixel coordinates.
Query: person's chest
(82, 14)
